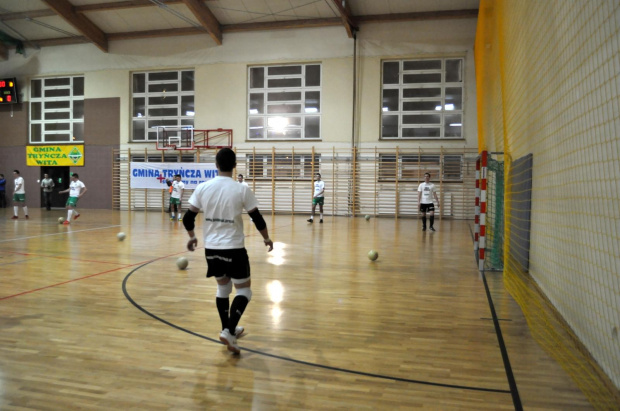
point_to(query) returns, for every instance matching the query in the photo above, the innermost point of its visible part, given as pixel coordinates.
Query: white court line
(68, 232)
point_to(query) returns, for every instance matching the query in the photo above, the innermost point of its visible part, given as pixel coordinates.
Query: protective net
(548, 97)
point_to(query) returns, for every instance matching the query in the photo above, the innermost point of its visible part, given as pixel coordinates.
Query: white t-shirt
(22, 189)
(75, 188)
(222, 200)
(319, 186)
(177, 186)
(243, 183)
(427, 190)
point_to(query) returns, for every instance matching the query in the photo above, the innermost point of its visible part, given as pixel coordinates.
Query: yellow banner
(67, 155)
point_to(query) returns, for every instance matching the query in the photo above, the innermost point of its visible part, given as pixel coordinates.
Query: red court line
(88, 276)
(60, 258)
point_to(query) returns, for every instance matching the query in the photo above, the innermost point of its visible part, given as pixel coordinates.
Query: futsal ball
(182, 263)
(61, 220)
(120, 236)
(367, 217)
(373, 255)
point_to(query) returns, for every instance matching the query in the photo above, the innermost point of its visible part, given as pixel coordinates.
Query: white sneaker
(230, 340)
(239, 332)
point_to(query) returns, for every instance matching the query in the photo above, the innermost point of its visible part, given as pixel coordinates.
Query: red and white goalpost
(481, 208)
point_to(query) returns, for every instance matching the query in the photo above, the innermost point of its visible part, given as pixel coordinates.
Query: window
(156, 158)
(422, 99)
(411, 167)
(57, 110)
(284, 166)
(284, 102)
(163, 98)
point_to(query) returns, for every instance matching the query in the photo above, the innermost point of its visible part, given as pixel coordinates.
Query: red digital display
(8, 91)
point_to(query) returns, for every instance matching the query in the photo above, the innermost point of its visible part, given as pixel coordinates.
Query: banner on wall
(66, 155)
(154, 175)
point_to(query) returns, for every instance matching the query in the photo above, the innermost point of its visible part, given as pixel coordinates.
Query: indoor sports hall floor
(89, 322)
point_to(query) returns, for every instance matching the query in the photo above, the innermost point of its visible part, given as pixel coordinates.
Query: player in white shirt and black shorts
(426, 191)
(222, 201)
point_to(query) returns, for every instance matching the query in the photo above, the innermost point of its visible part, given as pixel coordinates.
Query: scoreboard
(8, 91)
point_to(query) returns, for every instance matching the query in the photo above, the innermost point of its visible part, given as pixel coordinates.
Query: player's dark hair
(427, 174)
(16, 171)
(177, 175)
(240, 175)
(226, 159)
(75, 175)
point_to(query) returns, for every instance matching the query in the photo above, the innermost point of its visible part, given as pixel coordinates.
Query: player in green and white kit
(76, 190)
(19, 196)
(175, 197)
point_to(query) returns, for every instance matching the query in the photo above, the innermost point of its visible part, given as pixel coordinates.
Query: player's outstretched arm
(189, 220)
(261, 226)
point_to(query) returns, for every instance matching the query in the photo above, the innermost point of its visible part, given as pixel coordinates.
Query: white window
(163, 98)
(282, 166)
(411, 167)
(284, 102)
(57, 110)
(422, 99)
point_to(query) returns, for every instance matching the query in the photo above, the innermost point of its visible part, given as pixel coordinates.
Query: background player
(426, 191)
(222, 200)
(175, 196)
(319, 197)
(19, 196)
(76, 190)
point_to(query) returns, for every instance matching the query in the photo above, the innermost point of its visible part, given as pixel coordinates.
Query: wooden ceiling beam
(80, 22)
(279, 25)
(425, 15)
(206, 18)
(345, 15)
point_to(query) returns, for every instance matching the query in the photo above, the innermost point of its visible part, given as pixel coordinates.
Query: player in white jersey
(76, 190)
(426, 191)
(318, 198)
(240, 180)
(176, 195)
(222, 201)
(19, 196)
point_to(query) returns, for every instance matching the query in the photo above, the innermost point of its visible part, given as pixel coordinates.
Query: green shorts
(318, 200)
(175, 200)
(19, 198)
(72, 201)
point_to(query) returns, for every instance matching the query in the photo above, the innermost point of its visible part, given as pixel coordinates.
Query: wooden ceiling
(45, 23)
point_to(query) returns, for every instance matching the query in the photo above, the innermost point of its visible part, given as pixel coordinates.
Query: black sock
(222, 305)
(236, 311)
(432, 220)
(423, 221)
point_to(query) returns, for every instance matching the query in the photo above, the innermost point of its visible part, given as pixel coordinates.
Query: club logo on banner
(154, 175)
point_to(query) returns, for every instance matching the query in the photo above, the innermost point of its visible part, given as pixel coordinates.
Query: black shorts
(427, 207)
(233, 263)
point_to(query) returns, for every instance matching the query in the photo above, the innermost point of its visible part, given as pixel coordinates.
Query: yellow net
(548, 87)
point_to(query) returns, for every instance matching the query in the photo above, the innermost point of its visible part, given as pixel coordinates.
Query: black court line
(516, 399)
(292, 360)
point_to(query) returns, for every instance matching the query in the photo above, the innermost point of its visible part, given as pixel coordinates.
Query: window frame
(73, 101)
(411, 167)
(298, 168)
(300, 119)
(150, 121)
(423, 120)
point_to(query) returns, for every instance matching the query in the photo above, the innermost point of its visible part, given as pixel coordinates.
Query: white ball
(120, 236)
(38, 181)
